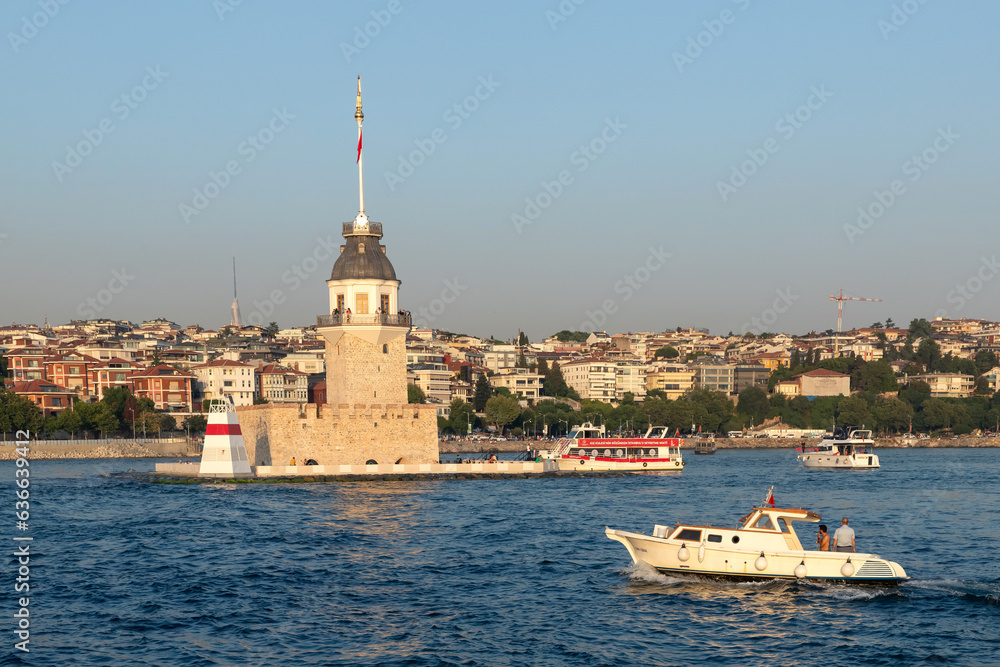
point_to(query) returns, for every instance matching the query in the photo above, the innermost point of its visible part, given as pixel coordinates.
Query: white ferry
(765, 546)
(588, 448)
(843, 449)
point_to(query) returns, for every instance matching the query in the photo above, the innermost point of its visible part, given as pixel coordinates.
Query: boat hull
(728, 562)
(833, 461)
(603, 464)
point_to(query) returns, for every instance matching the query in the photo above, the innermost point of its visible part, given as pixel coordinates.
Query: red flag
(359, 145)
(770, 497)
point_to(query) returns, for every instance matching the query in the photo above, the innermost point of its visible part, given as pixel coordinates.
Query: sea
(489, 571)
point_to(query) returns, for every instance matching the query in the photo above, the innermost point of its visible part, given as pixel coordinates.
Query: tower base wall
(339, 435)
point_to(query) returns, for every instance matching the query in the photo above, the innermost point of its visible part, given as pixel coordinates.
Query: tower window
(385, 348)
(340, 302)
(361, 248)
(361, 304)
(384, 298)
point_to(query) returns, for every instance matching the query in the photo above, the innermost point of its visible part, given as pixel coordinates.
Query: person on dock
(293, 461)
(843, 538)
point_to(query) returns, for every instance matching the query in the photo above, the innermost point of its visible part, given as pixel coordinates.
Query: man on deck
(843, 538)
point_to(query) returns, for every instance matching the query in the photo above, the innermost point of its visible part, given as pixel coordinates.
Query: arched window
(361, 248)
(385, 348)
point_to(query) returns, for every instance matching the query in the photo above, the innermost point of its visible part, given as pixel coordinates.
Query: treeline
(118, 411)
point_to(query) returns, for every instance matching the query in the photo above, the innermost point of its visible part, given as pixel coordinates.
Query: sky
(583, 164)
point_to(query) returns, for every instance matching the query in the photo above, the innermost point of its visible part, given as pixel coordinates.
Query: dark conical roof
(363, 257)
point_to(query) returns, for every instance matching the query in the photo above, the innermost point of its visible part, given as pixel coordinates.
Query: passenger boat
(765, 546)
(588, 448)
(843, 449)
(704, 446)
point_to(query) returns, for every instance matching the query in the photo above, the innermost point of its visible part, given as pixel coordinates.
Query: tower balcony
(381, 319)
(374, 229)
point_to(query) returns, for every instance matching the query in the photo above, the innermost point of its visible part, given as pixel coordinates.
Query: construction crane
(840, 299)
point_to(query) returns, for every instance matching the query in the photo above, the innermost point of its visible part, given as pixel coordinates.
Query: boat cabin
(762, 528)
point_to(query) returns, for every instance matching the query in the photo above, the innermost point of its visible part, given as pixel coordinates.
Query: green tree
(415, 394)
(929, 353)
(272, 330)
(543, 367)
(876, 377)
(17, 413)
(168, 423)
(70, 421)
(938, 413)
(892, 413)
(985, 361)
(461, 417)
(797, 414)
(554, 383)
(483, 392)
(915, 393)
(920, 328)
(195, 423)
(572, 336)
(889, 324)
(753, 403)
(853, 411)
(150, 422)
(502, 410)
(105, 420)
(667, 352)
(522, 339)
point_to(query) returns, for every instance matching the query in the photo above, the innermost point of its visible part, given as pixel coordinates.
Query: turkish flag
(770, 498)
(359, 145)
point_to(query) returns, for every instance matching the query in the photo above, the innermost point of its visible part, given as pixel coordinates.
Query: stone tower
(365, 330)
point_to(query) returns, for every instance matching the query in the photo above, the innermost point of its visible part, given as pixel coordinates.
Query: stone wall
(358, 371)
(339, 435)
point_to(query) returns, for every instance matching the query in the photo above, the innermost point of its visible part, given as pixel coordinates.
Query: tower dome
(362, 257)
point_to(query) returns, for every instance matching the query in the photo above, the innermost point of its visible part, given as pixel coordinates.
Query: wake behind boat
(765, 546)
(587, 448)
(844, 449)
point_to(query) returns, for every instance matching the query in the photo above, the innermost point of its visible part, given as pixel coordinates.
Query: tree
(628, 398)
(554, 383)
(272, 330)
(105, 420)
(17, 413)
(667, 352)
(753, 403)
(196, 423)
(151, 422)
(461, 417)
(938, 413)
(502, 410)
(543, 367)
(522, 362)
(876, 377)
(415, 394)
(876, 325)
(853, 411)
(483, 392)
(70, 421)
(929, 353)
(920, 328)
(892, 413)
(889, 324)
(985, 361)
(168, 423)
(567, 336)
(522, 339)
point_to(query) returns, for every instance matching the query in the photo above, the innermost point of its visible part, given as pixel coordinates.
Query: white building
(630, 378)
(592, 378)
(282, 385)
(520, 381)
(220, 378)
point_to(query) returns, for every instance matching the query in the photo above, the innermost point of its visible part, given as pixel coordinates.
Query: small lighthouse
(224, 454)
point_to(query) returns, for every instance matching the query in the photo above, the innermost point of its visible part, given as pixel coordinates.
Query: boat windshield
(573, 434)
(764, 523)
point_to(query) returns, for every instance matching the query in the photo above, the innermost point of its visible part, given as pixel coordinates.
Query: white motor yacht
(765, 546)
(844, 449)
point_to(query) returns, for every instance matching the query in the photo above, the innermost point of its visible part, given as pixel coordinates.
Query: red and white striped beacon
(224, 453)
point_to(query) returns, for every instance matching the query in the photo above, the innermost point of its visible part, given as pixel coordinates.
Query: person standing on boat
(843, 538)
(823, 539)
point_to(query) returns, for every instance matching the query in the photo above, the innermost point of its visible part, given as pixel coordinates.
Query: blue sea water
(496, 571)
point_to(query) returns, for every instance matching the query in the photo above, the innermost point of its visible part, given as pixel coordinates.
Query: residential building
(520, 381)
(70, 371)
(592, 378)
(712, 372)
(50, 398)
(223, 378)
(823, 382)
(170, 389)
(26, 363)
(674, 380)
(114, 372)
(947, 385)
(282, 385)
(308, 361)
(750, 375)
(630, 378)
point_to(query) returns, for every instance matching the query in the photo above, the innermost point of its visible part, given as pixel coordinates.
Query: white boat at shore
(588, 448)
(849, 450)
(765, 546)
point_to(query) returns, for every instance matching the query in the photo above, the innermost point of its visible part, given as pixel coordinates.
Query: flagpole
(361, 181)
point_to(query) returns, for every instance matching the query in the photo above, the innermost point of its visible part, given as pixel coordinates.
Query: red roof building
(168, 388)
(50, 398)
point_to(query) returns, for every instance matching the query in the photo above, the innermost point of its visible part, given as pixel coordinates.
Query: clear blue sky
(673, 131)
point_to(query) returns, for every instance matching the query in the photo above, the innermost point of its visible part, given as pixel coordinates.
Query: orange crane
(840, 299)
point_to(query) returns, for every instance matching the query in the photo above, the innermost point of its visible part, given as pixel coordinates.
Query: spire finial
(361, 222)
